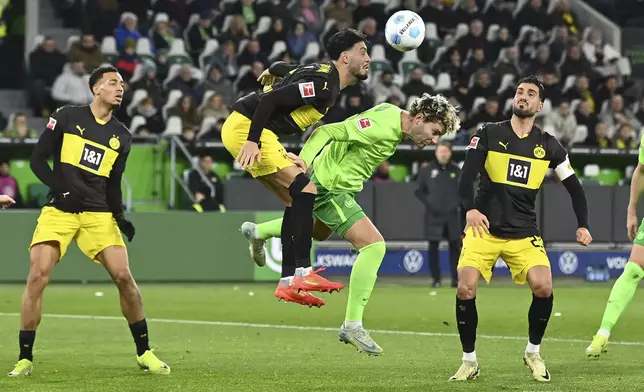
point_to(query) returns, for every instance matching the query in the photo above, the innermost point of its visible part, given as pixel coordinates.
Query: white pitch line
(310, 328)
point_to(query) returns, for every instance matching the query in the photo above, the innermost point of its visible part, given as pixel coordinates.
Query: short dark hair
(98, 73)
(537, 82)
(343, 40)
(444, 143)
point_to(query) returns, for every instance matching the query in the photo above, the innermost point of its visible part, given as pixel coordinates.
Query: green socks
(269, 229)
(620, 296)
(363, 278)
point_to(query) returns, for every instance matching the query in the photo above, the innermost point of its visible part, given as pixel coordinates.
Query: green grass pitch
(229, 337)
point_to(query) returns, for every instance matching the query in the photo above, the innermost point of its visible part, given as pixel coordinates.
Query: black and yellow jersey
(89, 157)
(298, 100)
(512, 169)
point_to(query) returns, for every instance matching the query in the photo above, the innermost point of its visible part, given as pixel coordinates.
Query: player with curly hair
(358, 146)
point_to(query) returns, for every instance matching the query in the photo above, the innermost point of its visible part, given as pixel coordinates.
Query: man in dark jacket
(204, 198)
(438, 191)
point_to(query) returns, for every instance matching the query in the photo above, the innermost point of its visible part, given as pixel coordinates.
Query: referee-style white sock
(532, 348)
(469, 356)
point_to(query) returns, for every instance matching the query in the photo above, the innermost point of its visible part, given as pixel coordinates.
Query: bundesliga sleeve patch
(51, 124)
(473, 143)
(307, 89)
(364, 123)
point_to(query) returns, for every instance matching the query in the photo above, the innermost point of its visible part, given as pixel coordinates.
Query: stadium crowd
(185, 62)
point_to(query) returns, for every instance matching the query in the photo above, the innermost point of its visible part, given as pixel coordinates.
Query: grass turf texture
(83, 354)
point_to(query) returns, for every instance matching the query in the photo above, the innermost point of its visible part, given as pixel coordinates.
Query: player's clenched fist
(583, 236)
(248, 154)
(478, 222)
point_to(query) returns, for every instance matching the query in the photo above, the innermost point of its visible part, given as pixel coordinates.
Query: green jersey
(359, 145)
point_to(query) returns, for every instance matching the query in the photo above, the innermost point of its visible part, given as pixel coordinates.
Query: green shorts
(336, 209)
(639, 238)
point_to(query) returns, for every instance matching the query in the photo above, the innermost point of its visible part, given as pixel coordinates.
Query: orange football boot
(290, 294)
(315, 282)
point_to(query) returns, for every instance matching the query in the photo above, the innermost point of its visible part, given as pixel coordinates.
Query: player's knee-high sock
(467, 319)
(620, 296)
(26, 340)
(139, 331)
(363, 278)
(288, 257)
(538, 317)
(302, 227)
(270, 229)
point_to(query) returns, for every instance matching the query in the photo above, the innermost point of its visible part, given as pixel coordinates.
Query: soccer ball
(405, 31)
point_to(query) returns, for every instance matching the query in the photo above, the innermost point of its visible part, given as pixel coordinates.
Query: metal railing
(176, 143)
(128, 194)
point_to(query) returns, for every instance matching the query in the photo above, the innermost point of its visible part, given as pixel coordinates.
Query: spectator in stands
(624, 137)
(217, 83)
(149, 82)
(187, 111)
(559, 44)
(503, 41)
(162, 66)
(442, 16)
(251, 54)
(563, 123)
(600, 137)
(468, 12)
(396, 100)
(200, 32)
(586, 116)
(366, 9)
(248, 83)
(148, 109)
(639, 114)
(483, 87)
(581, 91)
(276, 9)
(597, 51)
(552, 87)
(215, 131)
(509, 63)
(356, 103)
(617, 114)
(499, 14)
(71, 87)
(543, 62)
(528, 46)
(87, 51)
(127, 29)
(299, 39)
(415, 85)
(185, 82)
(178, 10)
(384, 87)
(476, 62)
(206, 198)
(45, 65)
(575, 63)
(472, 40)
(20, 129)
(226, 59)
(454, 67)
(236, 32)
(533, 14)
(563, 16)
(308, 12)
(382, 172)
(340, 10)
(490, 113)
(606, 91)
(248, 10)
(9, 184)
(215, 108)
(163, 36)
(127, 60)
(276, 33)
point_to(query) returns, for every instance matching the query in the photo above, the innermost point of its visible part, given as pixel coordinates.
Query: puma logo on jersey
(504, 145)
(325, 86)
(81, 130)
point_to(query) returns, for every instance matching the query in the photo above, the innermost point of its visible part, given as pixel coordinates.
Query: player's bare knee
(542, 290)
(123, 280)
(465, 290)
(38, 278)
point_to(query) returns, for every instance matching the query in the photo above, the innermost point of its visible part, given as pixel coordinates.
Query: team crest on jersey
(473, 143)
(114, 143)
(539, 152)
(51, 124)
(307, 90)
(364, 123)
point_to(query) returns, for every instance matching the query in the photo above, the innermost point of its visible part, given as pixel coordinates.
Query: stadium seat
(431, 31)
(398, 172)
(461, 30)
(507, 80)
(311, 53)
(444, 82)
(138, 96)
(206, 124)
(243, 43)
(570, 81)
(624, 66)
(173, 127)
(493, 32)
(242, 71)
(430, 80)
(38, 40)
(37, 195)
(193, 20)
(173, 97)
(144, 49)
(173, 71)
(222, 169)
(391, 5)
(71, 40)
(609, 177)
(478, 101)
(581, 133)
(591, 170)
(137, 121)
(263, 26)
(437, 56)
(206, 97)
(211, 47)
(408, 62)
(227, 22)
(628, 172)
(410, 100)
(278, 48)
(109, 50)
(177, 53)
(519, 7)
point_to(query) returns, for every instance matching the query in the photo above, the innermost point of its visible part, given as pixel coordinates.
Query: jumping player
(625, 286)
(513, 158)
(90, 148)
(358, 146)
(300, 98)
